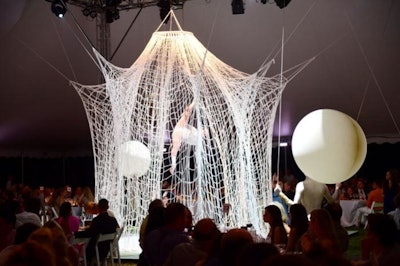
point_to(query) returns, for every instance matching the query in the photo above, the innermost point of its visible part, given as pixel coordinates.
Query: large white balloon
(135, 159)
(329, 146)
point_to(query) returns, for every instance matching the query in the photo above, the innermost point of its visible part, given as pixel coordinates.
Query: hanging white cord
(280, 106)
(44, 60)
(64, 50)
(363, 98)
(373, 76)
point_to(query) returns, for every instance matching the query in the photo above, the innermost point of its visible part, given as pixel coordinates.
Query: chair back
(377, 207)
(105, 238)
(115, 249)
(80, 245)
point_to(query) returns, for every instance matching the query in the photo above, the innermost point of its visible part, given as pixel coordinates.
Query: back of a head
(298, 217)
(154, 204)
(335, 210)
(24, 231)
(384, 227)
(175, 212)
(289, 260)
(156, 219)
(103, 205)
(275, 214)
(7, 214)
(204, 230)
(32, 204)
(232, 243)
(256, 253)
(31, 253)
(65, 209)
(397, 200)
(322, 223)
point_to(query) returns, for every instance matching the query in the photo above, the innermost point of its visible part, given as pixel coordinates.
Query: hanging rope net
(206, 129)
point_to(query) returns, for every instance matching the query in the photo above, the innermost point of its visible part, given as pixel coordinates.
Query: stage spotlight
(113, 2)
(112, 14)
(58, 8)
(164, 6)
(237, 7)
(86, 11)
(282, 3)
(93, 14)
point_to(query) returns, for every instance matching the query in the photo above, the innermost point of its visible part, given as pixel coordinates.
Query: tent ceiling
(356, 70)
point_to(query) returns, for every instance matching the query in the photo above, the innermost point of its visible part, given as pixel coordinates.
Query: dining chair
(115, 251)
(376, 207)
(105, 238)
(80, 245)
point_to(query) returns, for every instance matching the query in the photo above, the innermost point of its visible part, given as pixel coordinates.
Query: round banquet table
(349, 208)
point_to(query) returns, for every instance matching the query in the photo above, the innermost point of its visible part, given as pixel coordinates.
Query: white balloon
(135, 159)
(329, 146)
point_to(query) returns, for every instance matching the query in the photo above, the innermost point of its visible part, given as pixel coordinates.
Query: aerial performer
(183, 132)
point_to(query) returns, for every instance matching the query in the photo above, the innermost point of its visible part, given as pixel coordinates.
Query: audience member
(155, 219)
(391, 188)
(379, 246)
(289, 260)
(7, 229)
(68, 222)
(348, 194)
(87, 196)
(103, 223)
(335, 210)
(278, 184)
(232, 243)
(375, 195)
(395, 214)
(277, 232)
(255, 254)
(159, 243)
(204, 235)
(22, 234)
(298, 226)
(32, 253)
(320, 242)
(28, 212)
(360, 192)
(153, 204)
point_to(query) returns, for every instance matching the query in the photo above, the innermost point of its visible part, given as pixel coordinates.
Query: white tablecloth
(349, 208)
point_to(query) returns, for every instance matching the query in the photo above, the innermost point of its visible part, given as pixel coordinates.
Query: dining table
(349, 208)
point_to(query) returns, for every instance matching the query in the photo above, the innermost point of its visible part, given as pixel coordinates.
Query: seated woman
(68, 222)
(277, 232)
(320, 242)
(298, 226)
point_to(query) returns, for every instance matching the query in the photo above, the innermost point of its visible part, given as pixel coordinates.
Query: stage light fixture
(165, 7)
(86, 11)
(237, 7)
(112, 14)
(282, 3)
(58, 8)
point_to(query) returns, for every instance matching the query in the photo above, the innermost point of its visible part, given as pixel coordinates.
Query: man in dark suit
(103, 223)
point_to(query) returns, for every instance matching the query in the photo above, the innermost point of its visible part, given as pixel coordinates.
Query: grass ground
(354, 250)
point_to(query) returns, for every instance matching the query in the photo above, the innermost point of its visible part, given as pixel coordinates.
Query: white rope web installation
(207, 128)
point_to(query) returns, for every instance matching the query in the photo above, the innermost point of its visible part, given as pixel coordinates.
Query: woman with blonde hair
(320, 241)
